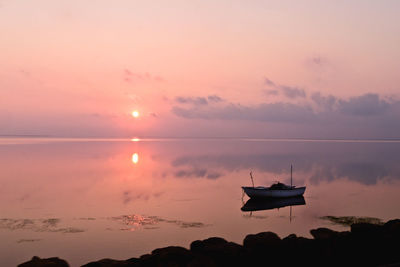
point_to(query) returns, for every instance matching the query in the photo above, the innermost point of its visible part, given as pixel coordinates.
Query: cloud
(364, 116)
(365, 105)
(287, 91)
(214, 175)
(275, 112)
(319, 65)
(191, 173)
(192, 100)
(214, 98)
(318, 61)
(199, 101)
(325, 102)
(268, 82)
(292, 92)
(271, 92)
(130, 76)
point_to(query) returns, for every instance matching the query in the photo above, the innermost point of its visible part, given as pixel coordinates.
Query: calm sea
(88, 199)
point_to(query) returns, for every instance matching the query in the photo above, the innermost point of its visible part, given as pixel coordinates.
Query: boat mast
(291, 175)
(251, 176)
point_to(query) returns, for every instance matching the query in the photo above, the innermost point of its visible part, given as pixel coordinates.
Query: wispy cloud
(318, 61)
(192, 100)
(292, 92)
(214, 98)
(278, 112)
(268, 82)
(287, 91)
(199, 101)
(271, 92)
(130, 76)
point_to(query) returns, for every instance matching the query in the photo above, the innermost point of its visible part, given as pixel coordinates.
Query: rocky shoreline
(365, 244)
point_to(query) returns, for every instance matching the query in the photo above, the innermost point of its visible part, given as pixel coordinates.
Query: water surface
(87, 199)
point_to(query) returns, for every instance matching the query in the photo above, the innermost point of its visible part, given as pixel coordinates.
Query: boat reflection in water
(254, 204)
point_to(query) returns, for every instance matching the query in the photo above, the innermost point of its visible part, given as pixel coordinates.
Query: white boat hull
(260, 192)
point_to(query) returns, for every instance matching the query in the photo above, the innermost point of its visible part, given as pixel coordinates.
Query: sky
(259, 69)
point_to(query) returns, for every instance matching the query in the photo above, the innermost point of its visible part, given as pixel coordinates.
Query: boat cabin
(280, 186)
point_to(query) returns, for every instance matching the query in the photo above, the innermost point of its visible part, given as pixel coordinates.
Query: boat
(256, 204)
(277, 190)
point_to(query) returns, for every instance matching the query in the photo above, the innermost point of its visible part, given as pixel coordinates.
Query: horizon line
(154, 138)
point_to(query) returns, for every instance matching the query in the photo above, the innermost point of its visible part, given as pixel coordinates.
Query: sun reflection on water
(135, 158)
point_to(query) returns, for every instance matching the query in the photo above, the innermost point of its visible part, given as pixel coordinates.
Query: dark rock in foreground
(50, 262)
(365, 245)
(216, 251)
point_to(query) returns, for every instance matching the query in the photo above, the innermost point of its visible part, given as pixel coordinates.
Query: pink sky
(79, 68)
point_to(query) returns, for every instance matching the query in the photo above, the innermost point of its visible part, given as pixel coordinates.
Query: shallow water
(87, 199)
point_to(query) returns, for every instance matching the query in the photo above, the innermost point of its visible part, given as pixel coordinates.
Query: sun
(135, 114)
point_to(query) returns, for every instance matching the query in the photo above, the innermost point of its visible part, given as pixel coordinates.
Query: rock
(212, 242)
(215, 244)
(262, 240)
(133, 260)
(366, 244)
(324, 234)
(168, 256)
(217, 250)
(392, 227)
(144, 256)
(365, 230)
(294, 241)
(171, 251)
(201, 261)
(264, 248)
(290, 237)
(373, 244)
(110, 263)
(50, 262)
(332, 246)
(298, 247)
